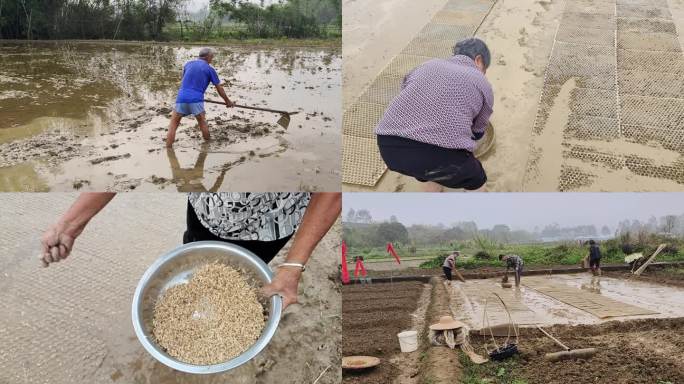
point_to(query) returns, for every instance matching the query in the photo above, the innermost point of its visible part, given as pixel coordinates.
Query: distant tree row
(85, 19)
(361, 230)
(291, 18)
(148, 19)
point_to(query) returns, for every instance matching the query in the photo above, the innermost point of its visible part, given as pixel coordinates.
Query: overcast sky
(518, 210)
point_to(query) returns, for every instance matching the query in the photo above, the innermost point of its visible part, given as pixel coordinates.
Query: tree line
(361, 230)
(154, 19)
(85, 19)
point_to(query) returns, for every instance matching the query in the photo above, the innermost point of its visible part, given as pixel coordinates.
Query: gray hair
(204, 52)
(473, 47)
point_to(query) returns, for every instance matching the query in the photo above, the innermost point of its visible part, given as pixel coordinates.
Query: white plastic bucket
(408, 341)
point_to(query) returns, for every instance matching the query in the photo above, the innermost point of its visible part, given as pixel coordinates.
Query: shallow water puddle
(77, 136)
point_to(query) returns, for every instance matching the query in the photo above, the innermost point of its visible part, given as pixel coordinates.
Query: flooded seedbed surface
(372, 315)
(631, 349)
(535, 303)
(94, 115)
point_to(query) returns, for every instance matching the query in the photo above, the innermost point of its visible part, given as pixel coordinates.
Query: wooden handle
(574, 354)
(554, 339)
(248, 107)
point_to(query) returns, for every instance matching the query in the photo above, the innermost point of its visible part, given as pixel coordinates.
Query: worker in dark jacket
(594, 258)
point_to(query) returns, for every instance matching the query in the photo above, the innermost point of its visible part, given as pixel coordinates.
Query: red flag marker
(390, 249)
(360, 268)
(345, 272)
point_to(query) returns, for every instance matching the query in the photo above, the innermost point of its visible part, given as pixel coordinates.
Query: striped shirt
(442, 102)
(514, 261)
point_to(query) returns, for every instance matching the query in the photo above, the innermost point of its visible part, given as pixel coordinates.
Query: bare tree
(1, 4)
(28, 11)
(669, 223)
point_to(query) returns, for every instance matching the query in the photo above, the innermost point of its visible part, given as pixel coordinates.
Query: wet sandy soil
(94, 116)
(71, 322)
(519, 35)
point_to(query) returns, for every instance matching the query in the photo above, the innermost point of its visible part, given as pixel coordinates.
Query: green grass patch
(474, 255)
(490, 372)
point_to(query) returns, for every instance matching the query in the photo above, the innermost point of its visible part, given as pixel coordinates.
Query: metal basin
(486, 143)
(176, 267)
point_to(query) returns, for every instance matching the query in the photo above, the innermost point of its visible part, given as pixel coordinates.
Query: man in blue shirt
(197, 74)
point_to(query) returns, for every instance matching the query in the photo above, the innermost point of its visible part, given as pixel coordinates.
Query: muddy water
(94, 116)
(666, 300)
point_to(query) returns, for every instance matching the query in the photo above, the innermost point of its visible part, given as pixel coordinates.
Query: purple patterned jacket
(442, 102)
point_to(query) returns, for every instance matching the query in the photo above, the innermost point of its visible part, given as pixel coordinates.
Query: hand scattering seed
(213, 318)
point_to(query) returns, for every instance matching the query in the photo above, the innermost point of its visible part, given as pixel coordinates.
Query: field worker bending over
(197, 74)
(594, 258)
(514, 262)
(449, 266)
(260, 222)
(430, 129)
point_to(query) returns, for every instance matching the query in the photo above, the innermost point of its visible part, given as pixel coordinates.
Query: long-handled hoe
(568, 353)
(284, 120)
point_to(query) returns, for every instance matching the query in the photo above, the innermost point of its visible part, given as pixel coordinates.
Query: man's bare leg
(173, 125)
(203, 125)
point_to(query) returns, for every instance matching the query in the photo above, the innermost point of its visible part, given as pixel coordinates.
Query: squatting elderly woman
(429, 131)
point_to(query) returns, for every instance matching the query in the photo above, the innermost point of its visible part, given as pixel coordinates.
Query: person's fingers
(45, 247)
(54, 254)
(268, 290)
(41, 257)
(63, 251)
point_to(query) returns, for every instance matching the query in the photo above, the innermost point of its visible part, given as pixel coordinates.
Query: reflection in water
(190, 179)
(593, 286)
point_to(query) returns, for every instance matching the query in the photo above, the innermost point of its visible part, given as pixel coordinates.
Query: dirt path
(442, 365)
(71, 323)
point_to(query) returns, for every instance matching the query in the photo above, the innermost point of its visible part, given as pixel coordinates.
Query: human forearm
(58, 240)
(222, 93)
(321, 214)
(86, 206)
(323, 210)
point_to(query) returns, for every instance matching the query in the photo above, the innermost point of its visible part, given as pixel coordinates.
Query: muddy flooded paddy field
(93, 116)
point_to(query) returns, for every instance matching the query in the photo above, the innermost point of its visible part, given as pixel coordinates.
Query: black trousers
(265, 250)
(452, 168)
(447, 272)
